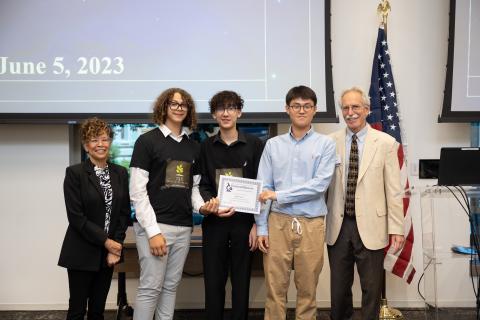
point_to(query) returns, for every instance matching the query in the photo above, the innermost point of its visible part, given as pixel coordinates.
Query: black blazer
(83, 246)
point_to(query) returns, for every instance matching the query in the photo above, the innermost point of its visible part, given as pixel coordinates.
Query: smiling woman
(98, 207)
(96, 139)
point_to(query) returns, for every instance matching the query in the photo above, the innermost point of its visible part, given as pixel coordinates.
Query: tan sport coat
(378, 198)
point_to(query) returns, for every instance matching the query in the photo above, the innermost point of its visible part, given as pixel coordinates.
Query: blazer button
(341, 215)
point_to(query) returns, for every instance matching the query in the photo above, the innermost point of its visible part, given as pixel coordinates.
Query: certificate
(240, 193)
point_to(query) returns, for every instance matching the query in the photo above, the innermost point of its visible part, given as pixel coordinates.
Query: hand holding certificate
(239, 193)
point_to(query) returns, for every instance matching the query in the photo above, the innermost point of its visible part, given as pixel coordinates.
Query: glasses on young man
(306, 107)
(229, 108)
(175, 106)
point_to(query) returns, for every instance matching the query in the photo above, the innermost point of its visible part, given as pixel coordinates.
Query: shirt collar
(166, 131)
(241, 138)
(309, 133)
(360, 134)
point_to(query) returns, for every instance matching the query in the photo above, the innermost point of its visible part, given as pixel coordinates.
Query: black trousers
(348, 250)
(88, 287)
(225, 248)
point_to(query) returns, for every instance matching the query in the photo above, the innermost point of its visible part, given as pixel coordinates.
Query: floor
(409, 314)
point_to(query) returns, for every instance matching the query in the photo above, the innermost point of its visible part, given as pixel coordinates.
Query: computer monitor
(459, 166)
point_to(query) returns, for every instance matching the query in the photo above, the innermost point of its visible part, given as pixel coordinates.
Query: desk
(130, 268)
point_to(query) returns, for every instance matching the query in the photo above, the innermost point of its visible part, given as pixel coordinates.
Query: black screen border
(447, 114)
(328, 116)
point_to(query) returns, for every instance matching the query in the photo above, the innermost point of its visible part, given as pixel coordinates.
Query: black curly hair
(224, 98)
(161, 105)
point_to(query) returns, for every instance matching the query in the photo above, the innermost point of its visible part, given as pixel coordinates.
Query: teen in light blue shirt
(299, 171)
(296, 169)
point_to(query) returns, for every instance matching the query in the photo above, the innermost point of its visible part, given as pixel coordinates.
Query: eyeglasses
(230, 109)
(297, 107)
(100, 140)
(354, 108)
(174, 105)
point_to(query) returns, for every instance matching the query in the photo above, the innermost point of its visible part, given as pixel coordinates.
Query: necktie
(352, 178)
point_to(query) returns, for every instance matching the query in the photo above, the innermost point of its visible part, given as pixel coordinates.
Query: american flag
(384, 117)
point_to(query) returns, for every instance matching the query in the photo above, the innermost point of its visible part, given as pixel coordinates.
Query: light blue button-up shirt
(299, 171)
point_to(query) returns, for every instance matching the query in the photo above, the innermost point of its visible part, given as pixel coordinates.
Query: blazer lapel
(341, 149)
(115, 182)
(88, 165)
(369, 149)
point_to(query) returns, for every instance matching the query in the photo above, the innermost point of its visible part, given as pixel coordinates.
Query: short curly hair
(223, 98)
(160, 108)
(94, 127)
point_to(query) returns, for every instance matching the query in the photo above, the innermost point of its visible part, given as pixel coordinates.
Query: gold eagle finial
(384, 9)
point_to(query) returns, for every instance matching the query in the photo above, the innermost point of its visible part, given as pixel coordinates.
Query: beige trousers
(298, 243)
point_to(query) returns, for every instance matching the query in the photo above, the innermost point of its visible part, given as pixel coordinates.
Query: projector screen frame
(328, 116)
(447, 114)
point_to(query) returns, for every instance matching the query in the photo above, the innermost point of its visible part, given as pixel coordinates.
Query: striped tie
(352, 178)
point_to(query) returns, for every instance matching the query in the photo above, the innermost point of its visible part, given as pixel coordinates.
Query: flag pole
(386, 313)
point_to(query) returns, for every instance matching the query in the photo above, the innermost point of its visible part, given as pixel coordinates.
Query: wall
(33, 158)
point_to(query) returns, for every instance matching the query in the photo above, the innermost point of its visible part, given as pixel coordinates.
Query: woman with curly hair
(164, 191)
(98, 208)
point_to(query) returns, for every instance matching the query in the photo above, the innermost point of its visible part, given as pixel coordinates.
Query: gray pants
(160, 276)
(347, 251)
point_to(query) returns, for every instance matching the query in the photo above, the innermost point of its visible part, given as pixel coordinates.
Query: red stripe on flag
(405, 255)
(377, 125)
(410, 277)
(401, 156)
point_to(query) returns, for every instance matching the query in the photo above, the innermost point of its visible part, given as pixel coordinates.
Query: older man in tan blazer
(364, 208)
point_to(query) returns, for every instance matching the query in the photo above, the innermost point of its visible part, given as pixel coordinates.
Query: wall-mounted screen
(462, 86)
(62, 61)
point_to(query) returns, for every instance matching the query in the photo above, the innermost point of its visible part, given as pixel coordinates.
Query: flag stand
(386, 313)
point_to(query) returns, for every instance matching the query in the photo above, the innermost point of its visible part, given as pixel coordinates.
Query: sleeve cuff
(153, 230)
(280, 197)
(398, 231)
(262, 230)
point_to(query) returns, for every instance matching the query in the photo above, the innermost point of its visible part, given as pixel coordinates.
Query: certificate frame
(247, 187)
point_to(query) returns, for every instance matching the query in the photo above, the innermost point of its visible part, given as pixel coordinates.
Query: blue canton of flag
(383, 97)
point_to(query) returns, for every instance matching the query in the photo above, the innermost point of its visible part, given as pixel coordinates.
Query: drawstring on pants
(296, 226)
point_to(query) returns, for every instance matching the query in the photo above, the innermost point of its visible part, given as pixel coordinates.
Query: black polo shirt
(171, 166)
(241, 159)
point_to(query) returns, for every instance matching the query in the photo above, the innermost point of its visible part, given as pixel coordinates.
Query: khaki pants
(296, 242)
